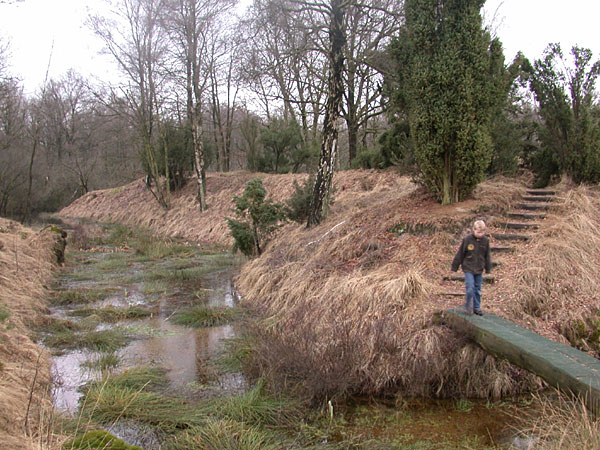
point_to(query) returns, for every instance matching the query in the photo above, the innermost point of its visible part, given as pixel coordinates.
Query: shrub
(259, 218)
(299, 203)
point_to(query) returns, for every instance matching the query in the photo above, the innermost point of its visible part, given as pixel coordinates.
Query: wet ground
(160, 287)
(164, 286)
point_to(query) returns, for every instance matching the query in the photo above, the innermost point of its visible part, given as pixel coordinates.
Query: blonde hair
(479, 225)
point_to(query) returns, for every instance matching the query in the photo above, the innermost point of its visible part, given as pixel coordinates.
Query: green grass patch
(155, 287)
(103, 340)
(74, 296)
(146, 245)
(114, 262)
(238, 351)
(4, 313)
(97, 439)
(226, 435)
(140, 378)
(57, 326)
(112, 313)
(206, 316)
(108, 401)
(256, 407)
(103, 362)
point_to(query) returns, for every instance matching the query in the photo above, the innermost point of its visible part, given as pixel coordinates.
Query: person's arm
(488, 258)
(458, 258)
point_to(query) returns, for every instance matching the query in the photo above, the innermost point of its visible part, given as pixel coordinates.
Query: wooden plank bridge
(561, 366)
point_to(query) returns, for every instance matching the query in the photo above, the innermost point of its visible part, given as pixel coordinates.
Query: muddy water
(156, 341)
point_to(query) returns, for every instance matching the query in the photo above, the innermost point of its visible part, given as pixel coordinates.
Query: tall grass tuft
(256, 407)
(561, 422)
(112, 313)
(103, 340)
(225, 434)
(206, 316)
(108, 402)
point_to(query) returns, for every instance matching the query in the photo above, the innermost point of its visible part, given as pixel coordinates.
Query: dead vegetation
(557, 284)
(26, 259)
(348, 306)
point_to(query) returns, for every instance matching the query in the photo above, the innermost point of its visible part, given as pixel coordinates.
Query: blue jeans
(473, 290)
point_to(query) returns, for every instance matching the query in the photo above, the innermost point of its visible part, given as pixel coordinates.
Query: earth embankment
(349, 306)
(27, 260)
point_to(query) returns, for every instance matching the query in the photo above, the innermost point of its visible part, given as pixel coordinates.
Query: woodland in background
(205, 89)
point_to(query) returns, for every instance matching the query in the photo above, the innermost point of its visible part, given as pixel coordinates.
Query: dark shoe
(478, 312)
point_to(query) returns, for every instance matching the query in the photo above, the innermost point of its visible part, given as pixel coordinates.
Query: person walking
(474, 256)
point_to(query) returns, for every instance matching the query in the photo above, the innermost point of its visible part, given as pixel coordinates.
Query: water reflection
(69, 374)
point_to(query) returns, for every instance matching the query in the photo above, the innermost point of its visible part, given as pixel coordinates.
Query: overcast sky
(38, 28)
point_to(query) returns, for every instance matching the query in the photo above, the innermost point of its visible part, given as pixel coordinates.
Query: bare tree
(373, 23)
(12, 141)
(133, 36)
(284, 63)
(193, 27)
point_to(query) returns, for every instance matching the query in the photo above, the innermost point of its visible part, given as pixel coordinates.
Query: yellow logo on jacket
(470, 247)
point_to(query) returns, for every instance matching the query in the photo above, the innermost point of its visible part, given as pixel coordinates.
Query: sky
(54, 31)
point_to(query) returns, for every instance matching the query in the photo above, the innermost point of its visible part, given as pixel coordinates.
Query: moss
(4, 313)
(584, 333)
(98, 439)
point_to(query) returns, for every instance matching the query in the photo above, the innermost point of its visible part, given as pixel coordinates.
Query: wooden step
(516, 226)
(540, 192)
(461, 277)
(532, 206)
(450, 294)
(500, 249)
(510, 237)
(537, 198)
(525, 215)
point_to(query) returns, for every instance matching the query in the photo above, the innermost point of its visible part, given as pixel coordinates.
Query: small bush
(258, 219)
(299, 203)
(4, 313)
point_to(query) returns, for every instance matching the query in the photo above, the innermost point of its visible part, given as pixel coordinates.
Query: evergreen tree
(258, 217)
(570, 135)
(449, 83)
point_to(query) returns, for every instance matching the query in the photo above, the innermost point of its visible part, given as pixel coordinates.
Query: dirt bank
(349, 305)
(26, 260)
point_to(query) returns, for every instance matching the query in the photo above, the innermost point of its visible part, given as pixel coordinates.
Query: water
(184, 353)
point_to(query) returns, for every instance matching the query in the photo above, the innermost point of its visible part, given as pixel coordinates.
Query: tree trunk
(199, 163)
(324, 178)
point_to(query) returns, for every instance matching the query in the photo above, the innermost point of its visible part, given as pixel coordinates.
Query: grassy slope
(349, 303)
(25, 268)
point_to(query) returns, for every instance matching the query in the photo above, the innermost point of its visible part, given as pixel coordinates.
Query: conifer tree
(449, 83)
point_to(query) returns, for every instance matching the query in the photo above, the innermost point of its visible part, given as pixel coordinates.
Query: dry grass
(347, 306)
(26, 267)
(557, 284)
(561, 422)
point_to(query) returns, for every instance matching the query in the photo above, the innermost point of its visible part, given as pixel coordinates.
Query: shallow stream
(108, 277)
